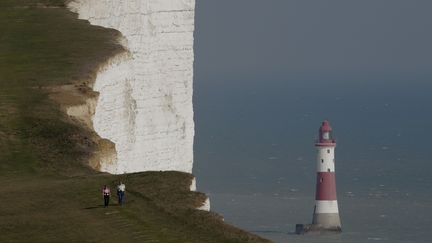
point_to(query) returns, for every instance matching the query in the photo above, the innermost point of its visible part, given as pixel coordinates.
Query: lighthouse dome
(325, 135)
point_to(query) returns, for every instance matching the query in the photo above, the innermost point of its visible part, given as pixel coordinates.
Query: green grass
(43, 47)
(48, 193)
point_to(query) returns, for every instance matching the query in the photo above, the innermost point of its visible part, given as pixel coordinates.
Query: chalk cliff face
(145, 102)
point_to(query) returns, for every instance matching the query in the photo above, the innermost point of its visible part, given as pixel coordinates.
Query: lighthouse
(326, 212)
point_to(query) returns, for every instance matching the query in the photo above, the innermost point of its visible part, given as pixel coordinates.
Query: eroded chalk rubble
(145, 95)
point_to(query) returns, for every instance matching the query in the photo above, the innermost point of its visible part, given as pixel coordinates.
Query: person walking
(121, 193)
(106, 195)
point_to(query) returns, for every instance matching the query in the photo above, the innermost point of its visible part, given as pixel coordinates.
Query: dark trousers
(106, 200)
(120, 195)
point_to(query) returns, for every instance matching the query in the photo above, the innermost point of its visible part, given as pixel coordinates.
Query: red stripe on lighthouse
(326, 186)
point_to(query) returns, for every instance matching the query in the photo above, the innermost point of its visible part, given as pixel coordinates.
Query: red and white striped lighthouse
(326, 212)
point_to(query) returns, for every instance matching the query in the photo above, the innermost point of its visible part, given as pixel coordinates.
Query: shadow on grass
(102, 206)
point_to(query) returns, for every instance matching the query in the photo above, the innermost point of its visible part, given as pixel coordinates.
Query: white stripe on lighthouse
(323, 206)
(325, 159)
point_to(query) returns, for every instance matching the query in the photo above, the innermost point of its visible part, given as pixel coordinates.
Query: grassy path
(69, 209)
(47, 210)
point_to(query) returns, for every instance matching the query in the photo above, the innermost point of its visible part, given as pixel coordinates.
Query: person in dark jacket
(106, 195)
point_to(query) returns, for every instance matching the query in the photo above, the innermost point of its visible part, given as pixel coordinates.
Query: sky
(304, 39)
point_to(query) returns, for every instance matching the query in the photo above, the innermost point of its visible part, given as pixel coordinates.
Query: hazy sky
(312, 39)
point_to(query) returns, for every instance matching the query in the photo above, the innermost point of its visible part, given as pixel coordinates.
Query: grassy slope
(48, 194)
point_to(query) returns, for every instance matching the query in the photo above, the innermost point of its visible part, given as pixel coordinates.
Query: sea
(267, 73)
(255, 156)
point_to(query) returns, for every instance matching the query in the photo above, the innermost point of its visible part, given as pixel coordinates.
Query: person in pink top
(106, 195)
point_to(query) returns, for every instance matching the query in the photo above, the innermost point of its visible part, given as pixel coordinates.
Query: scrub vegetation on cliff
(49, 193)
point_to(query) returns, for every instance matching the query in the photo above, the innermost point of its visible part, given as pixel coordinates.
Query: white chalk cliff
(145, 101)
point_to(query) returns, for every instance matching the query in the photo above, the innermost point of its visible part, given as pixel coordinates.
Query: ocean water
(267, 73)
(255, 155)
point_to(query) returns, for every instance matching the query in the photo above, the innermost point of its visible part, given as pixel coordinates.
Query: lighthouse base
(302, 229)
(327, 220)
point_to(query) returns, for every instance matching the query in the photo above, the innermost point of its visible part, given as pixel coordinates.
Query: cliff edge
(145, 94)
(50, 193)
